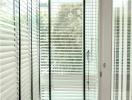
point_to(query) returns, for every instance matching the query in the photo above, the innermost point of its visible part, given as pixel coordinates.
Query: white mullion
(105, 49)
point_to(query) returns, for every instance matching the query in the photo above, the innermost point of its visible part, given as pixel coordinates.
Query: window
(35, 49)
(121, 49)
(25, 67)
(65, 73)
(44, 50)
(65, 50)
(91, 48)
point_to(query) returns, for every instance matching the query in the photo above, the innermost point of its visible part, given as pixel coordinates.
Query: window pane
(35, 49)
(25, 52)
(67, 41)
(67, 49)
(122, 50)
(91, 51)
(44, 50)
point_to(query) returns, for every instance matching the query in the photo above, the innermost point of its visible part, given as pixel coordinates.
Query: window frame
(105, 49)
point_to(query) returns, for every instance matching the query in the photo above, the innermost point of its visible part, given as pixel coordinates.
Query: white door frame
(105, 49)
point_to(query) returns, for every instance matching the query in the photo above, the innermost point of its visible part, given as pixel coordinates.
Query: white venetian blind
(8, 51)
(44, 50)
(91, 48)
(25, 51)
(35, 50)
(122, 50)
(67, 49)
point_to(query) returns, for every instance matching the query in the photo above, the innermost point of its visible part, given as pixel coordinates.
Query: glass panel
(44, 50)
(35, 49)
(91, 46)
(122, 50)
(25, 52)
(67, 49)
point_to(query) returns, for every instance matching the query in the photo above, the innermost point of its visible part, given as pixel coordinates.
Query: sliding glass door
(86, 50)
(69, 49)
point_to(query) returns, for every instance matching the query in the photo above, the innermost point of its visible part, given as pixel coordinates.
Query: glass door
(69, 49)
